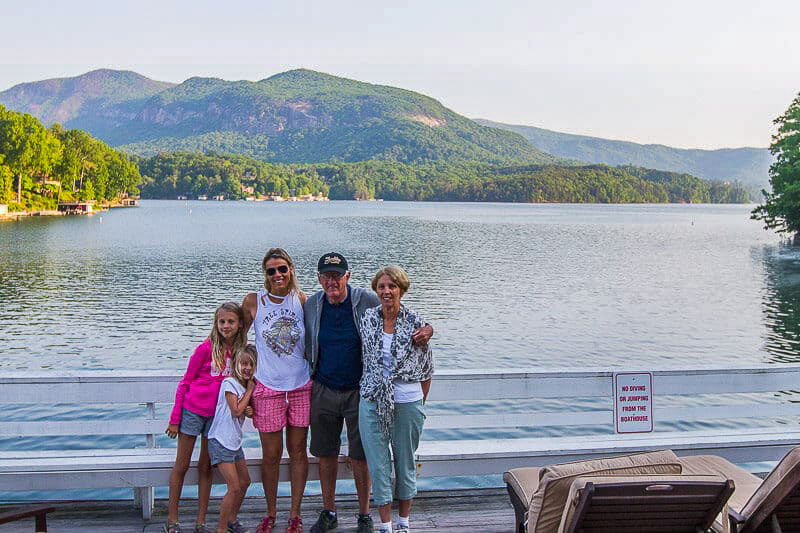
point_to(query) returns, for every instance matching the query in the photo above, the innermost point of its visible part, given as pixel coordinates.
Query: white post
(144, 497)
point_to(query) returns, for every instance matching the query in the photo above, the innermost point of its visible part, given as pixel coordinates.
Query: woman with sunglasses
(282, 396)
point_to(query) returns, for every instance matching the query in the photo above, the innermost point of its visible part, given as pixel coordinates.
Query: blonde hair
(217, 355)
(245, 352)
(279, 253)
(396, 274)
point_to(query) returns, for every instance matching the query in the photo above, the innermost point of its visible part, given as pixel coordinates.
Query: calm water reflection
(782, 303)
(504, 285)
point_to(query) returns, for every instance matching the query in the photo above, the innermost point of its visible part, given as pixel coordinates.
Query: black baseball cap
(332, 262)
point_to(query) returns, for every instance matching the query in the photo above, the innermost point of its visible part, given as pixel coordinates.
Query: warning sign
(633, 402)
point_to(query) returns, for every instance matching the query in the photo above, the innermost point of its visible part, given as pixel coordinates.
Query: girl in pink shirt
(195, 403)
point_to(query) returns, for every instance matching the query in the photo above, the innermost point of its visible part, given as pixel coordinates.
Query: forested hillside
(63, 99)
(299, 132)
(749, 166)
(191, 175)
(39, 166)
(300, 116)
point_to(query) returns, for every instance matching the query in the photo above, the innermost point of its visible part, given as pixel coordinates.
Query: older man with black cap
(333, 347)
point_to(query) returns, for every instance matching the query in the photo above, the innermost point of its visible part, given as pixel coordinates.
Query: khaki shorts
(330, 409)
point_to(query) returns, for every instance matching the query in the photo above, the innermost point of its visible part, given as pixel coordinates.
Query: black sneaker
(326, 521)
(364, 524)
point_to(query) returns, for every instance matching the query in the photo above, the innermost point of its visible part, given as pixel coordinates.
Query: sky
(691, 74)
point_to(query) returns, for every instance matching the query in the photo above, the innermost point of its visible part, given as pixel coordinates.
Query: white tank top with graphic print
(280, 342)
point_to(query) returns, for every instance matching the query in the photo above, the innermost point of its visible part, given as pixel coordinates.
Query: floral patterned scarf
(408, 362)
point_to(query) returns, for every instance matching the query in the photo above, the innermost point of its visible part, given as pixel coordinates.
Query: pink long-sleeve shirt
(199, 388)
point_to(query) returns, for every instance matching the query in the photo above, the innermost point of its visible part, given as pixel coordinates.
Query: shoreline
(23, 214)
(56, 213)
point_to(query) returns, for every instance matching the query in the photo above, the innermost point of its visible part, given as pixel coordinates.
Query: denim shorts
(220, 454)
(194, 425)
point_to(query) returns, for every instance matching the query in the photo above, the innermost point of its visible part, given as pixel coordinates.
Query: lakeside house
(3, 209)
(76, 208)
(319, 197)
(308, 198)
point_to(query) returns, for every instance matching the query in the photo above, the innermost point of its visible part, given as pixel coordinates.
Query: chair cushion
(783, 479)
(523, 481)
(580, 482)
(746, 483)
(550, 496)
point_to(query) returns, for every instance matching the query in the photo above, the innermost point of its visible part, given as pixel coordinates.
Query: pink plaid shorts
(273, 410)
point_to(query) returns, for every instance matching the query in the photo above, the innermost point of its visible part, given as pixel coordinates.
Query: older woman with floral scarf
(394, 386)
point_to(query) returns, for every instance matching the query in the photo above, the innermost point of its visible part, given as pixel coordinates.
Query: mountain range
(303, 116)
(747, 165)
(299, 116)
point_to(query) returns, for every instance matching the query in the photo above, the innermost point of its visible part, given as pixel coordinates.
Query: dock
(484, 510)
(21, 214)
(77, 208)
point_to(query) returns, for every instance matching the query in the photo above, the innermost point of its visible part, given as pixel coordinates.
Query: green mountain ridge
(304, 116)
(748, 165)
(63, 99)
(299, 116)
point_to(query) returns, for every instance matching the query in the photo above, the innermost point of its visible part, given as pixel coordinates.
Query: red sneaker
(295, 525)
(266, 525)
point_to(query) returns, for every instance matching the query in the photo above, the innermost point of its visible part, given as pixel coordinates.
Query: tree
(87, 192)
(28, 149)
(781, 208)
(6, 183)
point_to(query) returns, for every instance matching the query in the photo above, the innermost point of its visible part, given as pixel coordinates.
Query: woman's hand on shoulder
(421, 336)
(172, 431)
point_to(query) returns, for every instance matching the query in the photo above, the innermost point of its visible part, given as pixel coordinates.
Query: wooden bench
(38, 512)
(479, 422)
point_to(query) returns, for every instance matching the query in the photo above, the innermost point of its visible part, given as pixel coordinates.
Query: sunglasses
(283, 269)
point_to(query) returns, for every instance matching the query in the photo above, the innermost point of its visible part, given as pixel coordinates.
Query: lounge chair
(539, 495)
(771, 505)
(645, 504)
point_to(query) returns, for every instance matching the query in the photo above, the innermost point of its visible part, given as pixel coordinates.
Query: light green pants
(406, 430)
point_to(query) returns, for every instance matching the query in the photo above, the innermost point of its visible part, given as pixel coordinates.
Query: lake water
(505, 285)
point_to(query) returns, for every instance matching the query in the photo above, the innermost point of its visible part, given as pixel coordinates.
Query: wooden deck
(484, 510)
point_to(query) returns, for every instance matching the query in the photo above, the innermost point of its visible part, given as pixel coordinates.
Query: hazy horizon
(702, 75)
